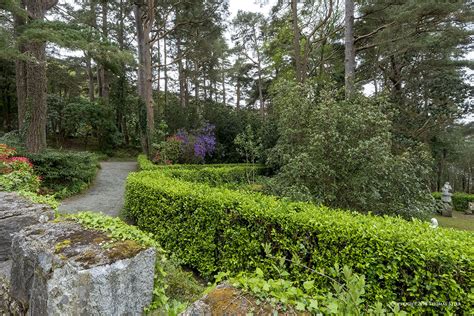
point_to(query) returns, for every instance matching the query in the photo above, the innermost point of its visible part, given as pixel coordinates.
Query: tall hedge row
(215, 229)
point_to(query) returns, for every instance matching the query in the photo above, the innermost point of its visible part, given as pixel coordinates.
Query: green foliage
(228, 122)
(248, 146)
(19, 180)
(215, 229)
(181, 285)
(85, 119)
(283, 295)
(460, 200)
(49, 200)
(65, 173)
(338, 152)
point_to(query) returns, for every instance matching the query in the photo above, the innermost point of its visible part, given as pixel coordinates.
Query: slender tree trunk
(158, 68)
(196, 80)
(296, 41)
(238, 92)
(165, 60)
(90, 76)
(349, 61)
(181, 77)
(186, 83)
(260, 86)
(20, 73)
(224, 101)
(103, 73)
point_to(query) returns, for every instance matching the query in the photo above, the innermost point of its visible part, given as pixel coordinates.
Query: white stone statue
(447, 200)
(446, 193)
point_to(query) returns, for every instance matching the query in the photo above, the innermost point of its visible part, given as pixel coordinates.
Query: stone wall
(61, 268)
(17, 213)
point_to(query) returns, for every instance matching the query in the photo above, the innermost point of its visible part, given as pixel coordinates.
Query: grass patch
(458, 221)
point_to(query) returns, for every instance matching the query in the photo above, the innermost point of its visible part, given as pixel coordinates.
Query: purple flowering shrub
(194, 146)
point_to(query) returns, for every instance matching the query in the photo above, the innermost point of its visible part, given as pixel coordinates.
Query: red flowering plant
(16, 173)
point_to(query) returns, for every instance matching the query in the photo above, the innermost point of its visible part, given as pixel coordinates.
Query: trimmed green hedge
(65, 172)
(145, 164)
(215, 229)
(213, 174)
(460, 200)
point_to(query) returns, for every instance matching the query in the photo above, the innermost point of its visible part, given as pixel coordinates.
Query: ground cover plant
(214, 229)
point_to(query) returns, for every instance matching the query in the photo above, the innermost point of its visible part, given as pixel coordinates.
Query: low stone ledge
(17, 213)
(60, 268)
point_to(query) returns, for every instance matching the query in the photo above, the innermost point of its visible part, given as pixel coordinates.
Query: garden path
(107, 192)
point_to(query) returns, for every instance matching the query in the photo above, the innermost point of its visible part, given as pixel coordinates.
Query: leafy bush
(63, 172)
(460, 200)
(283, 295)
(338, 152)
(16, 173)
(215, 229)
(84, 119)
(168, 151)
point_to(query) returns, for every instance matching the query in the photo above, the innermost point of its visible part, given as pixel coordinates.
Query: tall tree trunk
(196, 81)
(36, 81)
(260, 86)
(224, 101)
(103, 73)
(238, 92)
(165, 61)
(20, 72)
(349, 61)
(181, 76)
(144, 17)
(90, 77)
(36, 100)
(296, 41)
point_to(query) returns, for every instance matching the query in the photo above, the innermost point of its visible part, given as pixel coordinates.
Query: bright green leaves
(215, 229)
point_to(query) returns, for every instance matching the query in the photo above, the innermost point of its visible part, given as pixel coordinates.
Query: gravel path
(107, 192)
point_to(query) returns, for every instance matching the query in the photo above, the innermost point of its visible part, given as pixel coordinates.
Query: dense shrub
(339, 153)
(214, 229)
(85, 119)
(63, 172)
(460, 200)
